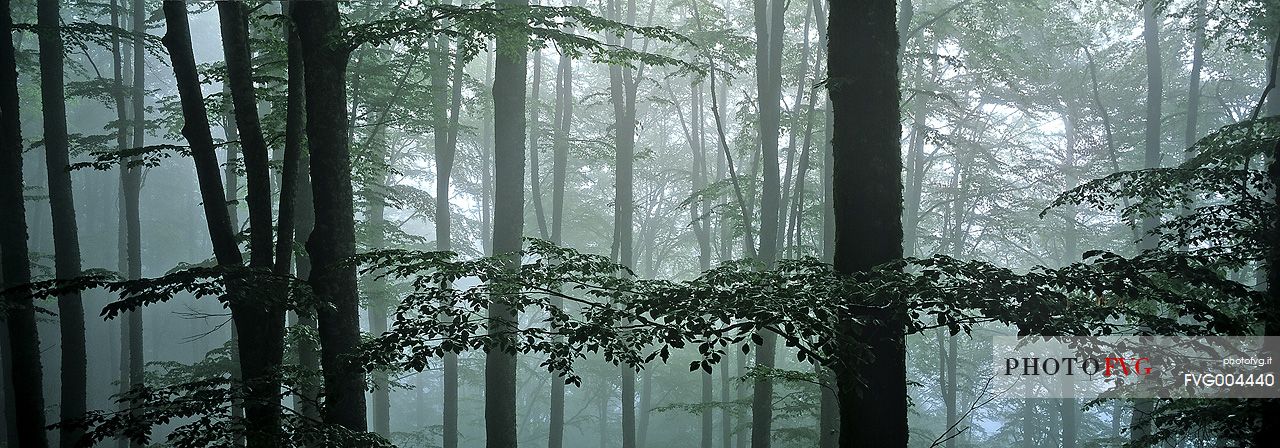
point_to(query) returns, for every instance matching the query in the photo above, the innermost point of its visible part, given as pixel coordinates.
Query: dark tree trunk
(333, 239)
(259, 328)
(303, 214)
(122, 144)
(66, 236)
(863, 85)
(828, 412)
(769, 27)
(10, 425)
(509, 139)
(24, 341)
(132, 185)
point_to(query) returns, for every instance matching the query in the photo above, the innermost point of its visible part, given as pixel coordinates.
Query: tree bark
(122, 144)
(259, 327)
(66, 236)
(769, 28)
(24, 341)
(622, 95)
(486, 158)
(509, 84)
(1139, 425)
(299, 216)
(132, 187)
(864, 91)
(535, 133)
(1193, 82)
(333, 239)
(559, 166)
(379, 295)
(445, 153)
(829, 411)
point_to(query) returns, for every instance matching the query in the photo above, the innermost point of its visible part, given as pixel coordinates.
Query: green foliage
(234, 286)
(814, 309)
(200, 407)
(541, 25)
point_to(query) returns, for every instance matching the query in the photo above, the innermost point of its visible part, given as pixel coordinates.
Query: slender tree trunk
(24, 341)
(535, 132)
(446, 122)
(621, 93)
(379, 296)
(1139, 425)
(646, 405)
(260, 327)
(66, 236)
(1070, 407)
(829, 411)
(915, 172)
(863, 85)
(333, 239)
(122, 144)
(303, 214)
(726, 416)
(769, 28)
(195, 129)
(1193, 83)
(1027, 419)
(559, 167)
(10, 425)
(132, 192)
(793, 132)
(509, 139)
(698, 211)
(231, 179)
(486, 160)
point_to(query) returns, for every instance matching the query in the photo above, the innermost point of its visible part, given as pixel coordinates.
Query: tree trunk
(333, 239)
(122, 144)
(535, 132)
(486, 174)
(66, 236)
(646, 405)
(303, 213)
(446, 122)
(1139, 425)
(622, 95)
(24, 341)
(863, 85)
(792, 173)
(1070, 407)
(10, 425)
(379, 295)
(699, 211)
(769, 28)
(509, 139)
(259, 328)
(132, 191)
(1193, 83)
(829, 411)
(559, 167)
